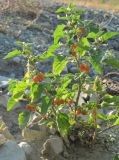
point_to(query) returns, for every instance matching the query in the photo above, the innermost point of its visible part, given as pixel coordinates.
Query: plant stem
(110, 127)
(95, 117)
(79, 88)
(28, 70)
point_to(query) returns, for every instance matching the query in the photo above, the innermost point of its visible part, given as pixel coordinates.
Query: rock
(11, 151)
(4, 130)
(52, 130)
(32, 134)
(4, 101)
(53, 147)
(4, 81)
(2, 139)
(16, 60)
(26, 147)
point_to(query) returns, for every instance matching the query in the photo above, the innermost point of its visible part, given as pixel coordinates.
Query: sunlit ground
(112, 5)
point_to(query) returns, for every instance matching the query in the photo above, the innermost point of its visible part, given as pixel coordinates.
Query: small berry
(78, 112)
(83, 113)
(84, 68)
(35, 79)
(61, 101)
(41, 77)
(56, 101)
(70, 101)
(31, 108)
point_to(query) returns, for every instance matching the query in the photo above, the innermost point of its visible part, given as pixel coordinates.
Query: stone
(4, 101)
(52, 130)
(26, 147)
(4, 81)
(11, 151)
(53, 146)
(2, 139)
(31, 134)
(16, 60)
(4, 130)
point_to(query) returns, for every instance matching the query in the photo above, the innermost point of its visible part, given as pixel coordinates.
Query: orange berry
(83, 113)
(77, 112)
(70, 101)
(61, 101)
(41, 76)
(56, 101)
(35, 79)
(84, 68)
(31, 108)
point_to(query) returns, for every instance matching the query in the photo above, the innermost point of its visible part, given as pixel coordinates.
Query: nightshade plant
(56, 97)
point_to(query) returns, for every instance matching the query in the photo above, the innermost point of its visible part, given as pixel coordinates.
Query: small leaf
(12, 85)
(63, 123)
(116, 122)
(46, 103)
(97, 87)
(66, 81)
(102, 116)
(61, 9)
(20, 88)
(58, 65)
(112, 61)
(50, 52)
(13, 54)
(116, 157)
(108, 35)
(36, 90)
(23, 119)
(58, 33)
(94, 60)
(11, 102)
(85, 42)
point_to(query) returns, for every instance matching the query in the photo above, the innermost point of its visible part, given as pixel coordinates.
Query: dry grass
(37, 5)
(112, 5)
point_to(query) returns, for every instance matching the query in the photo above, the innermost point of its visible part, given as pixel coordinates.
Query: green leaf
(111, 99)
(75, 87)
(63, 123)
(58, 65)
(36, 90)
(46, 103)
(110, 117)
(116, 157)
(94, 35)
(116, 122)
(11, 102)
(65, 82)
(108, 35)
(85, 42)
(94, 60)
(61, 9)
(97, 87)
(13, 54)
(23, 119)
(20, 89)
(102, 116)
(58, 33)
(12, 85)
(50, 52)
(112, 61)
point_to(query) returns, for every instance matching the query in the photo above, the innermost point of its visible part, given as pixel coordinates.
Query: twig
(110, 127)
